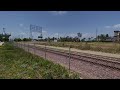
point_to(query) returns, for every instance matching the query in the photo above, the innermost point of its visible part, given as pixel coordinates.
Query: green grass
(108, 47)
(18, 64)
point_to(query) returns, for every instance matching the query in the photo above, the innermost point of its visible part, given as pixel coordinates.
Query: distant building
(117, 36)
(109, 39)
(55, 40)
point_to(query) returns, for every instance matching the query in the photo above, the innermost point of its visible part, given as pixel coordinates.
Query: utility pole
(31, 30)
(96, 34)
(58, 35)
(4, 31)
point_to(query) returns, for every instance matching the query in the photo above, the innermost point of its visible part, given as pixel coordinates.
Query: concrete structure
(117, 36)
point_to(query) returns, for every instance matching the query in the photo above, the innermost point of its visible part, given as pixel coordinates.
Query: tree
(4, 37)
(103, 37)
(107, 35)
(79, 35)
(83, 39)
(48, 39)
(53, 38)
(89, 39)
(17, 39)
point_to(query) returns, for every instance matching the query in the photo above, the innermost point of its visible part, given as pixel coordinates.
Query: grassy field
(18, 64)
(108, 47)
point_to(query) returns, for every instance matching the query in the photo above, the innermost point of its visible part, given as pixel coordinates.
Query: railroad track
(105, 61)
(88, 65)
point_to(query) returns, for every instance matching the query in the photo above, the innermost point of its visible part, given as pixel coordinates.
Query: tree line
(100, 38)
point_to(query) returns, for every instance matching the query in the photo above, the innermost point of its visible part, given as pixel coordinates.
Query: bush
(86, 47)
(17, 39)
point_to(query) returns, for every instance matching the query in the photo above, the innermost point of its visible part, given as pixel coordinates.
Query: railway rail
(97, 59)
(103, 61)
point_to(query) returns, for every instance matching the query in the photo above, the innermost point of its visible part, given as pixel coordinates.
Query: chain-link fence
(47, 53)
(72, 60)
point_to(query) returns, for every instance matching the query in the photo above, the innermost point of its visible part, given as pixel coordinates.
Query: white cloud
(53, 35)
(116, 26)
(56, 34)
(26, 28)
(58, 12)
(44, 32)
(21, 25)
(72, 34)
(107, 26)
(87, 35)
(22, 33)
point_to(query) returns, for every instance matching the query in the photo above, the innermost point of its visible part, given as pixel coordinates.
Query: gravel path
(86, 69)
(83, 51)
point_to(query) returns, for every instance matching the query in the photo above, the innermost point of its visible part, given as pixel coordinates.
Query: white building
(116, 35)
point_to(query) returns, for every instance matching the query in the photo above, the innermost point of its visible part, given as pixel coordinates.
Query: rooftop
(116, 31)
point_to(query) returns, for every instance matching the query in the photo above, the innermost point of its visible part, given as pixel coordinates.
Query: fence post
(13, 45)
(17, 45)
(34, 48)
(45, 51)
(69, 58)
(28, 47)
(20, 44)
(24, 46)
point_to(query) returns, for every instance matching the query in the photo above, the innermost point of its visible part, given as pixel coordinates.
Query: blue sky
(60, 22)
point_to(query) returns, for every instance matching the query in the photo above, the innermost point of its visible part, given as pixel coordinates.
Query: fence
(43, 51)
(83, 63)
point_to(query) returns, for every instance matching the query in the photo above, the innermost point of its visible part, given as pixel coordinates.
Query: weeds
(17, 64)
(108, 47)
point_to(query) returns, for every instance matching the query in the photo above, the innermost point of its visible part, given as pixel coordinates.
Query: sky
(60, 23)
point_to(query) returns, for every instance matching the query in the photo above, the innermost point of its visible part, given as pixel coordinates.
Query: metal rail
(87, 58)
